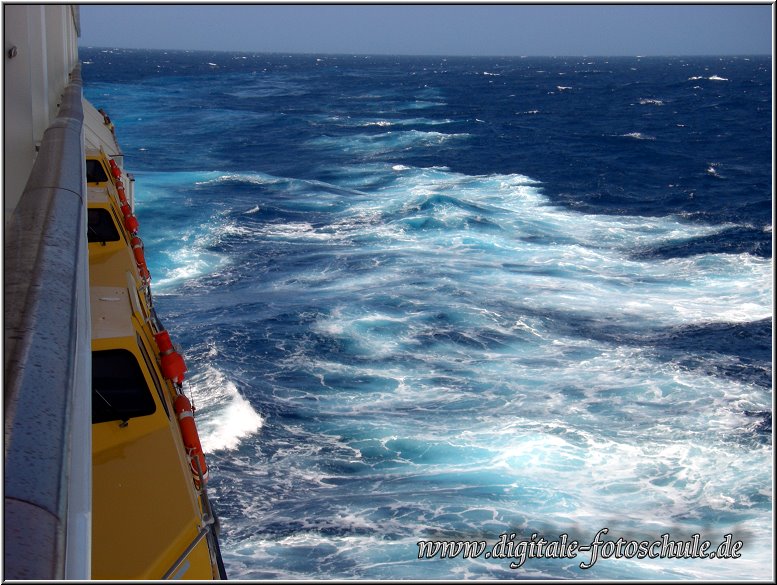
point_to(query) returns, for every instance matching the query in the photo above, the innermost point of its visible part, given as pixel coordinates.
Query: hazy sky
(506, 29)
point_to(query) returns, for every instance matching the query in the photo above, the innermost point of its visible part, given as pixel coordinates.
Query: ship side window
(119, 389)
(154, 377)
(95, 173)
(101, 226)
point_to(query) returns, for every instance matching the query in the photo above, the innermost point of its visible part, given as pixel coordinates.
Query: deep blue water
(428, 298)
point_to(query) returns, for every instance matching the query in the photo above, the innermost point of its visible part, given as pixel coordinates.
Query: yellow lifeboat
(151, 517)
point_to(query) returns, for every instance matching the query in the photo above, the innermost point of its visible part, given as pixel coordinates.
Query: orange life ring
(191, 439)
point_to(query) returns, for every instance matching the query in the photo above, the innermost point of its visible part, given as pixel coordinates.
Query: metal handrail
(208, 522)
(47, 362)
(179, 561)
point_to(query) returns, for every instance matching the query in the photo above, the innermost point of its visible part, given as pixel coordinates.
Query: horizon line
(427, 55)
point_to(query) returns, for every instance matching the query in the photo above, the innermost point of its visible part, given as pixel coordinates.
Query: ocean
(478, 302)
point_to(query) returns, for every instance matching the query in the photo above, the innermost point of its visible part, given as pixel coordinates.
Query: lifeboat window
(117, 222)
(154, 377)
(95, 173)
(101, 226)
(119, 389)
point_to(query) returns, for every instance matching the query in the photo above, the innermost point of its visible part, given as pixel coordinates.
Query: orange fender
(191, 439)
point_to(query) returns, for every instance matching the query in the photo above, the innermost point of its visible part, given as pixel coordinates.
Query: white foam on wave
(231, 229)
(347, 557)
(612, 483)
(374, 144)
(638, 136)
(224, 417)
(296, 231)
(422, 122)
(351, 122)
(710, 78)
(377, 334)
(188, 269)
(591, 258)
(254, 178)
(186, 251)
(550, 464)
(588, 257)
(635, 435)
(421, 104)
(192, 258)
